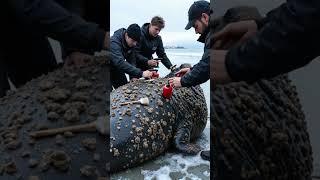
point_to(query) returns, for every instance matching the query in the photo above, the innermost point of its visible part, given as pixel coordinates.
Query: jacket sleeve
(50, 19)
(119, 62)
(161, 54)
(140, 58)
(287, 41)
(200, 72)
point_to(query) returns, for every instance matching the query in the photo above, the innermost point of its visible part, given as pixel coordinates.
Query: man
(92, 11)
(199, 14)
(150, 43)
(25, 52)
(283, 41)
(122, 47)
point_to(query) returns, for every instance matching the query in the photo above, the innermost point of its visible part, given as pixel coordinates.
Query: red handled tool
(167, 90)
(155, 73)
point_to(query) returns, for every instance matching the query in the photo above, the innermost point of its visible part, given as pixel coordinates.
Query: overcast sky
(175, 13)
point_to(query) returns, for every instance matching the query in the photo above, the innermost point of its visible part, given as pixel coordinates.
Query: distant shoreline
(174, 47)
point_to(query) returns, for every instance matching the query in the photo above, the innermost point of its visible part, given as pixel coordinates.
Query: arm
(119, 61)
(140, 58)
(286, 42)
(161, 54)
(199, 74)
(52, 20)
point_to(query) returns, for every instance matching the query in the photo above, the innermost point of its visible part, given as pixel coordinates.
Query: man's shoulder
(118, 33)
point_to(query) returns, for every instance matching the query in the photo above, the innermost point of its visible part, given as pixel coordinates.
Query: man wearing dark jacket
(199, 14)
(150, 43)
(122, 47)
(25, 52)
(286, 39)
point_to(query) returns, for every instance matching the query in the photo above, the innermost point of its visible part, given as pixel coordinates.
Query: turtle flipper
(182, 142)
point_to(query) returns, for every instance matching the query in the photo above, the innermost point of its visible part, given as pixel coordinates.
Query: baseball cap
(196, 10)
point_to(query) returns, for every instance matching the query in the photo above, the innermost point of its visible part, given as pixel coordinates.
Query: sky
(174, 12)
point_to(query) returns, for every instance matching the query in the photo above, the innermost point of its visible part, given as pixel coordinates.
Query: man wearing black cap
(151, 43)
(122, 45)
(199, 14)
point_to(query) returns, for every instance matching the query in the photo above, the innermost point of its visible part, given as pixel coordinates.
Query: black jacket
(149, 45)
(288, 39)
(121, 52)
(50, 19)
(200, 72)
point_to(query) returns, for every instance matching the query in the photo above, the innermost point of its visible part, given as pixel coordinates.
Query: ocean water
(172, 164)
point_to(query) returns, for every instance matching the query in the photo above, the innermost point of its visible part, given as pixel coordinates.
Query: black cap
(196, 10)
(134, 32)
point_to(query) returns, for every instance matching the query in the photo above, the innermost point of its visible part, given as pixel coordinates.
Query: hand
(176, 82)
(182, 72)
(76, 59)
(237, 32)
(106, 43)
(219, 73)
(147, 74)
(153, 62)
